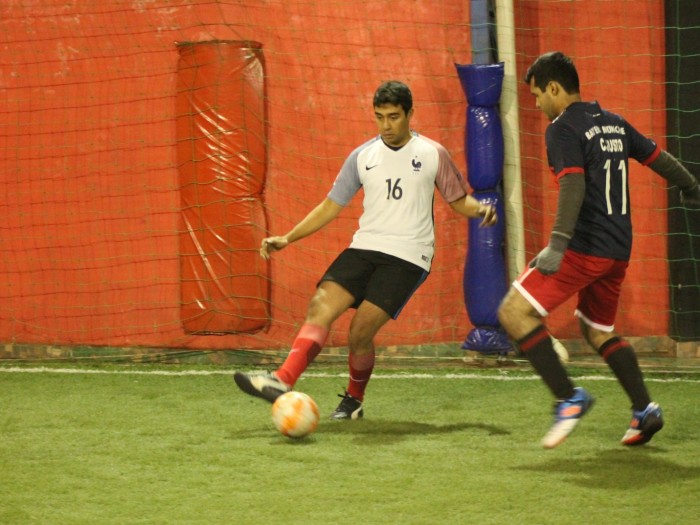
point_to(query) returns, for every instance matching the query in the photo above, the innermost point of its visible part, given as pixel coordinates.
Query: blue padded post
(484, 278)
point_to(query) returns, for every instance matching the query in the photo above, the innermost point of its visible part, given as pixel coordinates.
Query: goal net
(92, 214)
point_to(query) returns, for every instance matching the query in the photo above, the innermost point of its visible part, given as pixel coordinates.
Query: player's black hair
(394, 92)
(554, 66)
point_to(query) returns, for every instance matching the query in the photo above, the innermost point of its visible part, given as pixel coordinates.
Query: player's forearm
(472, 208)
(572, 189)
(670, 168)
(468, 206)
(314, 221)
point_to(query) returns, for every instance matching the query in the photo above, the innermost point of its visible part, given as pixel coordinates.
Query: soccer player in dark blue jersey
(588, 150)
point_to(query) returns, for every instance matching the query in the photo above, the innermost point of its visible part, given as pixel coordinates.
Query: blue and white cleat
(567, 414)
(645, 423)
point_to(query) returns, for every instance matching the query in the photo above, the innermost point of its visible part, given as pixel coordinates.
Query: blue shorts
(384, 280)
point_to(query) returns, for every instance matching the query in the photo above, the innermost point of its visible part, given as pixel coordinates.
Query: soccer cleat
(567, 414)
(266, 386)
(349, 408)
(645, 423)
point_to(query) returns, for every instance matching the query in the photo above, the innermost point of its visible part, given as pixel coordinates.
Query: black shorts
(381, 279)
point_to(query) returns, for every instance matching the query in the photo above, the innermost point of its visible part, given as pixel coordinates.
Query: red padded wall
(221, 163)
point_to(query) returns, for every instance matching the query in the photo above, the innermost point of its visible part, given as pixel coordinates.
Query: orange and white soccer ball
(295, 414)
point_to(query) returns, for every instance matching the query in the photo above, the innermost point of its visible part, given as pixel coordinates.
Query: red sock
(361, 367)
(305, 348)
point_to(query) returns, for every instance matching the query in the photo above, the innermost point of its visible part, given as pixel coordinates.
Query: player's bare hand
(488, 214)
(272, 244)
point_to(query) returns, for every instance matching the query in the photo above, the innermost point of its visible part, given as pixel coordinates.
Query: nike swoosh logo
(371, 167)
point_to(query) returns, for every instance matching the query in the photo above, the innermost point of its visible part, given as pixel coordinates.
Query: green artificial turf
(437, 447)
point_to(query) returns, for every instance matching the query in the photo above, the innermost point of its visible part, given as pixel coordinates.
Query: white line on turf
(504, 376)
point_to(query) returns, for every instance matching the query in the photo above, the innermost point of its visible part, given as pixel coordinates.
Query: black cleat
(265, 386)
(349, 408)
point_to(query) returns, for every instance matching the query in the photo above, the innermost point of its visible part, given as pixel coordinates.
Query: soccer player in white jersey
(390, 254)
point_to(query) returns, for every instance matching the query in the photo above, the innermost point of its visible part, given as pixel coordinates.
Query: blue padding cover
(484, 281)
(481, 83)
(484, 147)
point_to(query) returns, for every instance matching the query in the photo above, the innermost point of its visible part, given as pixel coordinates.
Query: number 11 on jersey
(622, 168)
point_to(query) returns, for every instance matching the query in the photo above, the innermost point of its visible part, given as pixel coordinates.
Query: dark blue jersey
(587, 139)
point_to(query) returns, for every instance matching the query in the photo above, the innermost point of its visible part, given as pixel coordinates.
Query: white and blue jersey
(399, 186)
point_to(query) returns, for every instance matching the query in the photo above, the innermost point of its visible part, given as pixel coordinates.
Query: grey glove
(549, 259)
(691, 198)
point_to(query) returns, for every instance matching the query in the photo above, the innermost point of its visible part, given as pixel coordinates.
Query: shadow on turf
(624, 469)
(383, 428)
(381, 431)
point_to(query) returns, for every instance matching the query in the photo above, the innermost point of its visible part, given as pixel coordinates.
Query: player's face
(394, 124)
(544, 100)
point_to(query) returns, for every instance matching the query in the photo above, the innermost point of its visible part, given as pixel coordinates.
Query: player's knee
(505, 313)
(321, 310)
(360, 341)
